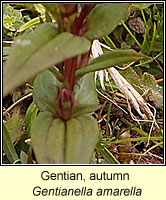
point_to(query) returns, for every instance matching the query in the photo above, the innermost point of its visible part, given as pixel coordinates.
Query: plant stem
(108, 118)
(150, 60)
(56, 72)
(154, 33)
(72, 73)
(109, 42)
(146, 25)
(108, 156)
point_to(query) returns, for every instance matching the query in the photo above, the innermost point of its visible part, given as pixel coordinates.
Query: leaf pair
(55, 141)
(45, 93)
(38, 51)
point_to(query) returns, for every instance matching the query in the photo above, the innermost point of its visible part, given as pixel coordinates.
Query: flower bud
(65, 104)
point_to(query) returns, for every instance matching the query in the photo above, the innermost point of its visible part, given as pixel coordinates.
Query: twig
(159, 81)
(110, 100)
(132, 154)
(17, 102)
(159, 157)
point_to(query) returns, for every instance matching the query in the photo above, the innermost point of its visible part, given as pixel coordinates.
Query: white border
(2, 82)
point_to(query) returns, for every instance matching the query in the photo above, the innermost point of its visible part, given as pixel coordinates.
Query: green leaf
(48, 138)
(104, 18)
(23, 157)
(110, 59)
(51, 105)
(131, 76)
(30, 116)
(44, 87)
(157, 46)
(37, 51)
(84, 109)
(8, 145)
(82, 135)
(31, 23)
(153, 91)
(56, 72)
(45, 91)
(53, 9)
(129, 73)
(40, 8)
(6, 50)
(25, 49)
(85, 90)
(108, 156)
(15, 125)
(141, 5)
(55, 141)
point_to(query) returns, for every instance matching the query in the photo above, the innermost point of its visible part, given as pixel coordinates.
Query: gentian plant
(57, 53)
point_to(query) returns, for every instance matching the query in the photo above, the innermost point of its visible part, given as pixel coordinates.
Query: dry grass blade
(132, 96)
(16, 103)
